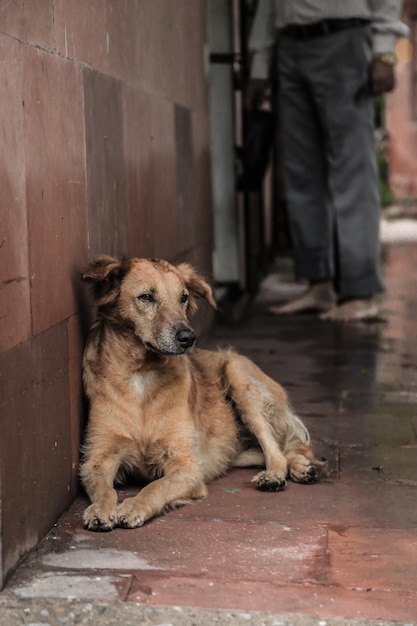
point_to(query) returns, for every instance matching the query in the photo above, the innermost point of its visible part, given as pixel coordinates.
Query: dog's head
(151, 297)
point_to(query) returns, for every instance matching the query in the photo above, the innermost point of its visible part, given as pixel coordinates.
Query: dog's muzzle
(179, 342)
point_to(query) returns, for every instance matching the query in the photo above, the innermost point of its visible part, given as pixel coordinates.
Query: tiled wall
(104, 128)
(402, 112)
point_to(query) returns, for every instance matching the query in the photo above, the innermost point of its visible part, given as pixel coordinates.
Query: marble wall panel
(29, 21)
(81, 31)
(191, 54)
(202, 184)
(14, 272)
(163, 185)
(138, 148)
(103, 35)
(185, 178)
(55, 184)
(171, 50)
(106, 170)
(150, 149)
(124, 31)
(35, 465)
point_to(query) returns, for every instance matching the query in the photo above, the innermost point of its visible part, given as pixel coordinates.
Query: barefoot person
(333, 57)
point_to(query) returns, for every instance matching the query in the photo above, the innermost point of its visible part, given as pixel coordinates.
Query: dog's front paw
(131, 514)
(302, 470)
(98, 517)
(269, 480)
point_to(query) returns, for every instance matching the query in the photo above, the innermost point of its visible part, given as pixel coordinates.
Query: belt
(320, 29)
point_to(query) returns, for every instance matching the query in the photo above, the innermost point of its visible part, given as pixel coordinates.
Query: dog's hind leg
(303, 467)
(264, 409)
(260, 411)
(250, 458)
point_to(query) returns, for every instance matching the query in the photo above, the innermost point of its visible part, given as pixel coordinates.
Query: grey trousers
(326, 118)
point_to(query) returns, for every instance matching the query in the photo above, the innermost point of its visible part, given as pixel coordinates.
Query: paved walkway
(342, 551)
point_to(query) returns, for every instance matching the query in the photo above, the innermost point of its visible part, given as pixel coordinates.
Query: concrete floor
(341, 551)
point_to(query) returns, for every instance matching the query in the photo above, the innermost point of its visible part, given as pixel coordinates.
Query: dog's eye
(146, 297)
(184, 298)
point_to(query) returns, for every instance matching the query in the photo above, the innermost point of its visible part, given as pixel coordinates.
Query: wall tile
(169, 185)
(81, 32)
(123, 28)
(30, 21)
(138, 146)
(156, 46)
(106, 171)
(402, 145)
(35, 461)
(163, 200)
(185, 178)
(150, 149)
(101, 34)
(191, 88)
(202, 169)
(14, 275)
(55, 184)
(173, 30)
(138, 41)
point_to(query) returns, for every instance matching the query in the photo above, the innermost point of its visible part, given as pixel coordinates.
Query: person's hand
(255, 92)
(382, 77)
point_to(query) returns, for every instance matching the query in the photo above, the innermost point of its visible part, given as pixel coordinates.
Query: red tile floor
(345, 547)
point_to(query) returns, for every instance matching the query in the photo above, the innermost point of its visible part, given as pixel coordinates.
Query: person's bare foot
(318, 297)
(353, 311)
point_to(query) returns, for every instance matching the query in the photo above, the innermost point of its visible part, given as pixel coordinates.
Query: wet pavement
(341, 551)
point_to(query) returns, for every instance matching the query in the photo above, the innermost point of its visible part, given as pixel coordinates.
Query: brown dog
(178, 417)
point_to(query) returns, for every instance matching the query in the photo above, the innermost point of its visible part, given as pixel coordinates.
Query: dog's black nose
(185, 338)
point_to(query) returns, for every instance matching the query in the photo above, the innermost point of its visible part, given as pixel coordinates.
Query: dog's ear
(197, 287)
(105, 274)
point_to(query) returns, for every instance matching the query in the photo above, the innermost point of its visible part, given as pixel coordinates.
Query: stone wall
(104, 128)
(402, 113)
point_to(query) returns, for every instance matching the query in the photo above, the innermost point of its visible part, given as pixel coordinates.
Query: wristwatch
(390, 58)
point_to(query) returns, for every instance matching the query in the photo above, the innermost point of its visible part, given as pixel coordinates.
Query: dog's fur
(177, 416)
